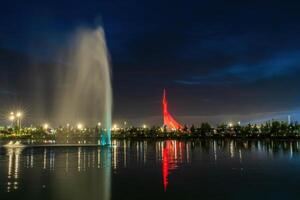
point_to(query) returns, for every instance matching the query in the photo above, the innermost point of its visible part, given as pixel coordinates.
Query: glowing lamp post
(79, 126)
(46, 126)
(19, 116)
(115, 127)
(12, 118)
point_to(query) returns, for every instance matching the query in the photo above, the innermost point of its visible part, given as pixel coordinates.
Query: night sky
(220, 61)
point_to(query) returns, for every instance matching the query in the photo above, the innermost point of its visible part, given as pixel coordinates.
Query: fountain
(83, 92)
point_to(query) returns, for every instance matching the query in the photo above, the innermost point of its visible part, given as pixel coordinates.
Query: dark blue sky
(219, 60)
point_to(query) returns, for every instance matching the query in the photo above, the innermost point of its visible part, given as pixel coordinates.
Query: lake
(153, 169)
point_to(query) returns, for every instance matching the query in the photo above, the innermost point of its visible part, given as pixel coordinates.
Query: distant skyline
(220, 61)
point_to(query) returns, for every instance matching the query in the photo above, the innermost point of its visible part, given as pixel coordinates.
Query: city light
(46, 126)
(19, 114)
(230, 124)
(144, 126)
(115, 127)
(11, 118)
(79, 126)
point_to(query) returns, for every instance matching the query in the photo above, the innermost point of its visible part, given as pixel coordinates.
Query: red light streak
(169, 121)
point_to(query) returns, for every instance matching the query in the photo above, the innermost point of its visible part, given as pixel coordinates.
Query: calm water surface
(195, 169)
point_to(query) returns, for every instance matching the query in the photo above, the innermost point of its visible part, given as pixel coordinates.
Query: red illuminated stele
(169, 121)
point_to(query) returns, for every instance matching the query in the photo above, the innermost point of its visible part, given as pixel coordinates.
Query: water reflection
(76, 166)
(173, 153)
(13, 168)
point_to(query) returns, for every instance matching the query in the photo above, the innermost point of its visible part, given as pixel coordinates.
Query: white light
(144, 126)
(99, 123)
(79, 126)
(230, 125)
(115, 127)
(12, 118)
(46, 126)
(19, 114)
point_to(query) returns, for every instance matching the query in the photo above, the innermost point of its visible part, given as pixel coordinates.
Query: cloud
(283, 64)
(7, 93)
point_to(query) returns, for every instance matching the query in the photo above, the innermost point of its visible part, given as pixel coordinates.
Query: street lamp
(79, 126)
(115, 127)
(19, 115)
(46, 126)
(144, 126)
(12, 118)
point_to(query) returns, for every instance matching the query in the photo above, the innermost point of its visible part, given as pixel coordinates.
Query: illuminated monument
(169, 121)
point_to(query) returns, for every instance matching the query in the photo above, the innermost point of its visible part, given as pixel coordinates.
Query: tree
(237, 130)
(205, 129)
(192, 129)
(275, 128)
(222, 129)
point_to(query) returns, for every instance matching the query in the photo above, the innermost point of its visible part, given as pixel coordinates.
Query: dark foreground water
(200, 169)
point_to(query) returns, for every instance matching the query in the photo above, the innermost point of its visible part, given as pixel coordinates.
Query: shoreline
(154, 138)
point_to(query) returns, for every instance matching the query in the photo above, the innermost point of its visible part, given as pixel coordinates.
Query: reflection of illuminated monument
(173, 154)
(169, 121)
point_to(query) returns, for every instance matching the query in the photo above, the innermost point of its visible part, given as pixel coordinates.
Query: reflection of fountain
(80, 167)
(106, 184)
(89, 167)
